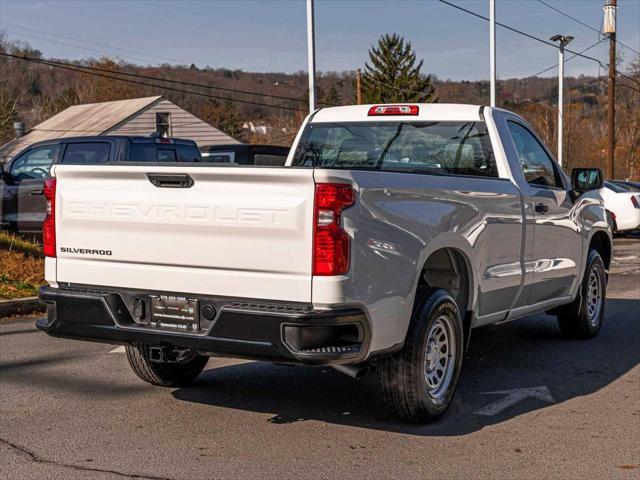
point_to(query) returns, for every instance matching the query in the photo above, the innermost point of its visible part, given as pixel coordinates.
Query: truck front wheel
(583, 317)
(178, 371)
(419, 381)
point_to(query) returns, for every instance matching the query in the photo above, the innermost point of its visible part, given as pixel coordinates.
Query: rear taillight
(330, 241)
(381, 110)
(49, 225)
(634, 200)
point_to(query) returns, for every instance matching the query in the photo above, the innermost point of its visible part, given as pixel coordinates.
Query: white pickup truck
(391, 232)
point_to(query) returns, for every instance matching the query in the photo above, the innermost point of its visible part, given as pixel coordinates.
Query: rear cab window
(438, 148)
(269, 160)
(166, 155)
(163, 152)
(188, 153)
(219, 157)
(86, 153)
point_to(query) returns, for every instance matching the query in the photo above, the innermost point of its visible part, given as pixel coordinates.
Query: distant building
(137, 116)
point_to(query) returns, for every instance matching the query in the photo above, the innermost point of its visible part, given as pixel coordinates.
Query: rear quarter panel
(399, 220)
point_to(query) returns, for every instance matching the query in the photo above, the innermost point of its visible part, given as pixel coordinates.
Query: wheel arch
(601, 242)
(450, 268)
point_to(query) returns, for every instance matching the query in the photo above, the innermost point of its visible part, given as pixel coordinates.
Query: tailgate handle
(170, 180)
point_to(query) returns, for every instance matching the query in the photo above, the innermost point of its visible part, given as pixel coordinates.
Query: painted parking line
(513, 396)
(624, 259)
(119, 349)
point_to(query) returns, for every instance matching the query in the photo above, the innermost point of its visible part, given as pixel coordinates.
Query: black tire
(405, 376)
(166, 374)
(583, 318)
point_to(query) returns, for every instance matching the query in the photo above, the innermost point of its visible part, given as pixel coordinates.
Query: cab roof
(426, 112)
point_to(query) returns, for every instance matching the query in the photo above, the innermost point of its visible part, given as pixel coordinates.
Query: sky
(270, 35)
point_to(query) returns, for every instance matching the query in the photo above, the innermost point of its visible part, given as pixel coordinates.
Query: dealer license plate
(175, 313)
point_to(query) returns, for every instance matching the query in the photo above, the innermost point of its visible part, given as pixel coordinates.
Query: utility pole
(562, 42)
(358, 87)
(492, 50)
(311, 53)
(610, 28)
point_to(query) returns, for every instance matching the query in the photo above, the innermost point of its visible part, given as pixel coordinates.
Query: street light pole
(492, 50)
(311, 53)
(562, 42)
(560, 100)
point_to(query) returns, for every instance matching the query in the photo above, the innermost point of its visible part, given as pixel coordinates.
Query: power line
(281, 97)
(569, 16)
(191, 84)
(88, 49)
(550, 97)
(599, 32)
(520, 32)
(629, 78)
(64, 37)
(627, 46)
(568, 59)
(75, 68)
(629, 87)
(178, 82)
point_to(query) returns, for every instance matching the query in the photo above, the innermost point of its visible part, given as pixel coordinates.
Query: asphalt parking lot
(530, 405)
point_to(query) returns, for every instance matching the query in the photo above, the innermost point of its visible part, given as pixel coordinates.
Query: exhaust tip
(354, 371)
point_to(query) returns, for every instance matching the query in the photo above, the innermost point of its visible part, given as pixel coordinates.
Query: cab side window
(539, 170)
(35, 163)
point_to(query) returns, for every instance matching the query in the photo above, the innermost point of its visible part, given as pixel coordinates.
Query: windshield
(458, 148)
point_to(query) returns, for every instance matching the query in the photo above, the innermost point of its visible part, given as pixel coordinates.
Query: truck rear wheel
(419, 381)
(583, 317)
(179, 371)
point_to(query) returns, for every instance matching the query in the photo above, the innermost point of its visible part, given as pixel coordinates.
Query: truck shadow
(523, 354)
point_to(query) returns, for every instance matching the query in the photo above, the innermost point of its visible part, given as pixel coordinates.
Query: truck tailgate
(238, 232)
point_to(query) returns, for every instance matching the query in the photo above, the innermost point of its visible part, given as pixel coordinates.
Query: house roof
(80, 120)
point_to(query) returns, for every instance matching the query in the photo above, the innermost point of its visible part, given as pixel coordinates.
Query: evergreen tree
(330, 97)
(394, 76)
(230, 122)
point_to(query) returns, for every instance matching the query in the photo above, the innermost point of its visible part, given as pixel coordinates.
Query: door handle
(541, 208)
(170, 180)
(36, 192)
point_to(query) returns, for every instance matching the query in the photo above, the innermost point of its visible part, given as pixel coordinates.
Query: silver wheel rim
(439, 357)
(594, 298)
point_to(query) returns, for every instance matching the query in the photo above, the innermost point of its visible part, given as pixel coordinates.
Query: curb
(21, 306)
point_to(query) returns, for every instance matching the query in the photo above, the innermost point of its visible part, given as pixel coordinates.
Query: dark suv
(22, 202)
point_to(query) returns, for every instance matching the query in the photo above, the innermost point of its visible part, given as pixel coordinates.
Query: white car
(622, 205)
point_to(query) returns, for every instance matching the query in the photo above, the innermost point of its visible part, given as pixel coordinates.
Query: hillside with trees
(33, 88)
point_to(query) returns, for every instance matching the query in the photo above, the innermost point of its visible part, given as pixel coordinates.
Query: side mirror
(586, 179)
